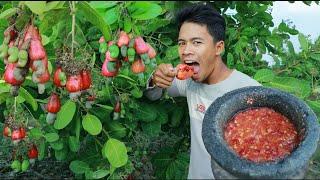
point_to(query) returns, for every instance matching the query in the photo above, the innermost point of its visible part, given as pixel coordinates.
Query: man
(201, 42)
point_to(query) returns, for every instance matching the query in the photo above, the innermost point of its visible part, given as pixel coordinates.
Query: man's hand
(164, 75)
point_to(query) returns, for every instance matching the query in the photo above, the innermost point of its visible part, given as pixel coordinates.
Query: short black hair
(204, 15)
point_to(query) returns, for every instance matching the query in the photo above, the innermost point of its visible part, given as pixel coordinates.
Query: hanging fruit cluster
(132, 50)
(38, 59)
(74, 75)
(53, 107)
(22, 158)
(21, 51)
(14, 130)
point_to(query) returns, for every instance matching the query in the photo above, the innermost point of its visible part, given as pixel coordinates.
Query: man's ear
(219, 48)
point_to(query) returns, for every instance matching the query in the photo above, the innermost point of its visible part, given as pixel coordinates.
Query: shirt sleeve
(152, 92)
(178, 88)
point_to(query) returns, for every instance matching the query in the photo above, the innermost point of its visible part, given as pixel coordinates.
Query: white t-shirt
(199, 97)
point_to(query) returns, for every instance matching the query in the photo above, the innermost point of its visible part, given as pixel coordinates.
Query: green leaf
(52, 18)
(145, 10)
(146, 113)
(178, 168)
(161, 161)
(315, 106)
(303, 42)
(315, 56)
(249, 32)
(28, 97)
(116, 129)
(54, 5)
(93, 60)
(126, 76)
(101, 112)
(61, 155)
(51, 137)
(170, 165)
(42, 149)
(89, 174)
(35, 133)
(176, 117)
(127, 24)
(283, 27)
(79, 167)
(137, 30)
(65, 115)
(45, 40)
(106, 92)
(49, 67)
(8, 13)
(74, 143)
(172, 53)
(101, 173)
(275, 40)
(57, 145)
(92, 124)
(293, 31)
(230, 60)
(300, 88)
(22, 19)
(163, 116)
(102, 4)
(152, 129)
(264, 75)
(136, 92)
(261, 46)
(20, 100)
(4, 87)
(3, 97)
(93, 16)
(307, 2)
(156, 24)
(291, 48)
(112, 15)
(37, 7)
(116, 152)
(166, 40)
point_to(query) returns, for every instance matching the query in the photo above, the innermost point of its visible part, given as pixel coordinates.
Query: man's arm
(162, 78)
(154, 92)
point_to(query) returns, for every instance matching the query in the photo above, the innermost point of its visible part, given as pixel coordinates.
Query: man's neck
(220, 73)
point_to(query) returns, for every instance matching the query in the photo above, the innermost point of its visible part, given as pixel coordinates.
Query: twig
(98, 141)
(157, 40)
(105, 132)
(73, 13)
(80, 103)
(15, 104)
(28, 111)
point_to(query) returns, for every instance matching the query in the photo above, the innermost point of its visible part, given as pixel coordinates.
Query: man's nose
(188, 49)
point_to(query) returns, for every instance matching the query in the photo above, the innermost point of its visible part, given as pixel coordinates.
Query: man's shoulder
(244, 79)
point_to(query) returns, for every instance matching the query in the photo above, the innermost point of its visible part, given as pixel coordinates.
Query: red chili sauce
(261, 135)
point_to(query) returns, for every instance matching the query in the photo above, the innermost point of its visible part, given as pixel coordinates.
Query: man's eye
(181, 43)
(196, 42)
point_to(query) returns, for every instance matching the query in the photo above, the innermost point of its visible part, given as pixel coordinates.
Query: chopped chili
(261, 135)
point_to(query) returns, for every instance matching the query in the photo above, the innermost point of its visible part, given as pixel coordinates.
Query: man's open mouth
(194, 64)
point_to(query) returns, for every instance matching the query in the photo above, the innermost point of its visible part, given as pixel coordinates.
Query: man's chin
(196, 78)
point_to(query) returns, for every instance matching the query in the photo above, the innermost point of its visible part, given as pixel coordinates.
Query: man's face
(196, 48)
